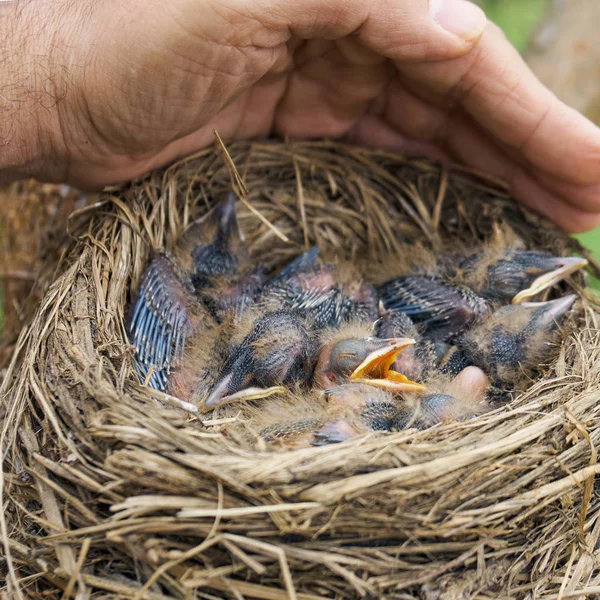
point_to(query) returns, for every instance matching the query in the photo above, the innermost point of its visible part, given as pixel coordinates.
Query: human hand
(101, 92)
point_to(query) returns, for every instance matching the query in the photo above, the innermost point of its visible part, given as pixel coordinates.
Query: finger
(541, 200)
(410, 115)
(332, 84)
(374, 132)
(583, 197)
(326, 95)
(497, 89)
(415, 118)
(401, 30)
(471, 146)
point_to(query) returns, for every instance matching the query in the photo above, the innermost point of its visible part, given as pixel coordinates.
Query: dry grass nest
(109, 492)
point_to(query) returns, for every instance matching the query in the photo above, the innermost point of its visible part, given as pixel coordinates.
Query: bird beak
(376, 370)
(554, 310)
(225, 214)
(334, 432)
(219, 395)
(251, 393)
(565, 266)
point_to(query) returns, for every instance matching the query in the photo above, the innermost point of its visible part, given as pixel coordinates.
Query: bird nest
(112, 490)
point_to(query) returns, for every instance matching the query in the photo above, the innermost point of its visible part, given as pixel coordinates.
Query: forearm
(30, 91)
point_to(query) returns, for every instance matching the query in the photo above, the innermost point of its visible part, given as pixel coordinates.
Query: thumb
(402, 30)
(460, 18)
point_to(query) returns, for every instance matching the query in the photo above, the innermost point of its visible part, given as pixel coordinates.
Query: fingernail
(460, 17)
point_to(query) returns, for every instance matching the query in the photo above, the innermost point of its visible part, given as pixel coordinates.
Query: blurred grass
(516, 17)
(591, 240)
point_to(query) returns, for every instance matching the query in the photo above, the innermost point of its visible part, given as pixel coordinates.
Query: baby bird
(171, 312)
(512, 343)
(318, 293)
(459, 399)
(277, 350)
(460, 293)
(511, 274)
(354, 409)
(282, 330)
(352, 354)
(345, 411)
(333, 416)
(212, 246)
(441, 309)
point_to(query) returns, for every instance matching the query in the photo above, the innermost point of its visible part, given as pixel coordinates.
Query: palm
(325, 94)
(354, 85)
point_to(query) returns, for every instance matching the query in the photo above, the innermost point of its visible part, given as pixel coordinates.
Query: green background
(516, 17)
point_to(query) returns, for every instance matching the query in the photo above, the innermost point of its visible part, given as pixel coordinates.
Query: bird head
(546, 317)
(528, 318)
(518, 275)
(363, 360)
(547, 271)
(516, 339)
(278, 350)
(212, 245)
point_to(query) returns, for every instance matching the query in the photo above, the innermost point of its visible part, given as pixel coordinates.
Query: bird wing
(418, 297)
(161, 320)
(440, 307)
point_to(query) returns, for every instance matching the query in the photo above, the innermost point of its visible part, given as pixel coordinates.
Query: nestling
(171, 310)
(512, 344)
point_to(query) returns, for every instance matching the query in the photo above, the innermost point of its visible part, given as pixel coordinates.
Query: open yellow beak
(376, 369)
(569, 265)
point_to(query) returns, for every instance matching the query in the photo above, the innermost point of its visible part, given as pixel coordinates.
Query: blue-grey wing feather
(160, 322)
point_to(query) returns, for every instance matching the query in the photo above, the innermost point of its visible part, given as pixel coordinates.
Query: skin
(96, 92)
